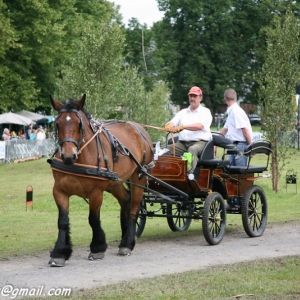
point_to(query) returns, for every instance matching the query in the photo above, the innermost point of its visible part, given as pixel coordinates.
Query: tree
(157, 111)
(114, 88)
(15, 81)
(214, 46)
(46, 33)
(95, 69)
(141, 51)
(277, 80)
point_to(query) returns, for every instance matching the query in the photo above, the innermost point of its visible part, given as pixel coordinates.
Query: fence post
(29, 197)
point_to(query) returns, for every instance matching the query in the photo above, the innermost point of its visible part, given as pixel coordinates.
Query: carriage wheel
(141, 219)
(214, 218)
(254, 211)
(181, 217)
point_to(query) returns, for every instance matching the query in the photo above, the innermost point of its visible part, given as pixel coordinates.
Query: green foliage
(43, 37)
(214, 46)
(15, 81)
(156, 110)
(141, 51)
(277, 80)
(114, 90)
(95, 69)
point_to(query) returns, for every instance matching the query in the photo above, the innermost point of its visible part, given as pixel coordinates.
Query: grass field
(35, 230)
(20, 228)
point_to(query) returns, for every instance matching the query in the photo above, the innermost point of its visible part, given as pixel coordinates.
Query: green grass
(19, 228)
(28, 232)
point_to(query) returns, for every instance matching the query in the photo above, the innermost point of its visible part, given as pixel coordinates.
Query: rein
(96, 133)
(163, 129)
(91, 171)
(155, 127)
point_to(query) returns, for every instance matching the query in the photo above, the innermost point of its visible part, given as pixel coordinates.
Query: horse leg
(98, 245)
(130, 204)
(63, 246)
(128, 230)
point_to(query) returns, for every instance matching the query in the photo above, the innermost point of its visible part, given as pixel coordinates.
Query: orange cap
(195, 91)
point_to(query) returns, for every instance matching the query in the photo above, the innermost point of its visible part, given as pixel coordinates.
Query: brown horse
(94, 157)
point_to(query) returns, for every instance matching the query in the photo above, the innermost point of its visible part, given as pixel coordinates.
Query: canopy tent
(12, 118)
(31, 115)
(46, 119)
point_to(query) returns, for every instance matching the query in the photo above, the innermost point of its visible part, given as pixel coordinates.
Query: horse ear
(80, 102)
(56, 105)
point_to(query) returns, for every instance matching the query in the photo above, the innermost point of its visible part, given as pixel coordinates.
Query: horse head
(69, 128)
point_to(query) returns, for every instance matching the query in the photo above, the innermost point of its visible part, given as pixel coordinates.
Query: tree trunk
(275, 171)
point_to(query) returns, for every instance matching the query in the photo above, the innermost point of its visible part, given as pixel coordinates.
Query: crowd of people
(38, 134)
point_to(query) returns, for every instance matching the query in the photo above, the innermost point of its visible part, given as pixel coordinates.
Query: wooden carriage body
(214, 189)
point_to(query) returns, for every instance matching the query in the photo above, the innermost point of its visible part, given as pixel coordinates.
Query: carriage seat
(257, 147)
(207, 156)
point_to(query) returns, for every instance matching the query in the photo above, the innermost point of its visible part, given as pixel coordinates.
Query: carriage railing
(256, 149)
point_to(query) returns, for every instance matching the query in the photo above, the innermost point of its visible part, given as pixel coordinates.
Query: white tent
(11, 118)
(31, 115)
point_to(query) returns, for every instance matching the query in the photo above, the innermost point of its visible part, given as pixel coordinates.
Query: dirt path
(149, 259)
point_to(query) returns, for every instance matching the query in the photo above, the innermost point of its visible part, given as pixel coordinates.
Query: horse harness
(99, 172)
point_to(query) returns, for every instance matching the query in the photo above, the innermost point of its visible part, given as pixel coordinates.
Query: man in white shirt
(193, 124)
(237, 128)
(40, 134)
(40, 137)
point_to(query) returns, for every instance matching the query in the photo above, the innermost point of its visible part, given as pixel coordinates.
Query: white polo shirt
(187, 117)
(236, 120)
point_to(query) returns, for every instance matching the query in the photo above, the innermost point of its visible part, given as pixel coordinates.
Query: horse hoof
(124, 252)
(57, 262)
(96, 256)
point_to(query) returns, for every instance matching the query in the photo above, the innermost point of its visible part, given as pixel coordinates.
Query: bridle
(69, 139)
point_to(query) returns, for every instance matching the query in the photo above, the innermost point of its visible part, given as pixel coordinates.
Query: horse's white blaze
(68, 118)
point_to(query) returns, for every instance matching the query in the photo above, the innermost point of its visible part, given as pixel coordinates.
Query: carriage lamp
(291, 178)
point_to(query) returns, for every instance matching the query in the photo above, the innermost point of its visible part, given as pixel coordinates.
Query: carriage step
(193, 183)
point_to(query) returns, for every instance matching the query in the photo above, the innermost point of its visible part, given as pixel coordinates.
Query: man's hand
(169, 127)
(179, 128)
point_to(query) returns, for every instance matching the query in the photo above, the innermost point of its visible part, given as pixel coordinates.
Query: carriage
(96, 156)
(214, 190)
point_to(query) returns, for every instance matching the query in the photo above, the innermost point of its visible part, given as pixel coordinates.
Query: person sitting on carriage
(193, 124)
(237, 128)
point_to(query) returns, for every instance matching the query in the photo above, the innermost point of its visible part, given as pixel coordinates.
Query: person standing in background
(29, 131)
(6, 135)
(237, 128)
(40, 137)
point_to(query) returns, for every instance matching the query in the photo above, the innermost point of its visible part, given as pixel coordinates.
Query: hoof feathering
(96, 256)
(124, 252)
(57, 262)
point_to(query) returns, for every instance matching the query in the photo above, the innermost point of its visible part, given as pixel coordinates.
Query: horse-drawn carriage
(93, 157)
(181, 197)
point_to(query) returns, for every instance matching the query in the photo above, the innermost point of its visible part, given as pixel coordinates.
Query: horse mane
(72, 104)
